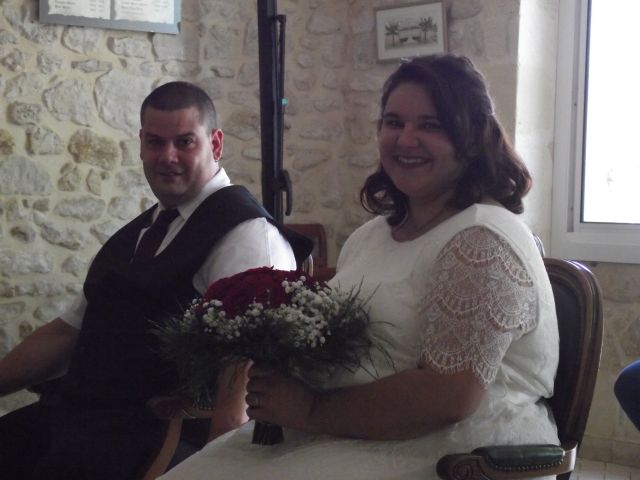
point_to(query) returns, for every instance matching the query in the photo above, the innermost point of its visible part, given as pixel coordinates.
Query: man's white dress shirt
(253, 243)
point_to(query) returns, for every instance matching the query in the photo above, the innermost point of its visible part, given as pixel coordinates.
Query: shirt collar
(218, 181)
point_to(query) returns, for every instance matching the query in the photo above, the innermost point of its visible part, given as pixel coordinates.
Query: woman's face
(414, 150)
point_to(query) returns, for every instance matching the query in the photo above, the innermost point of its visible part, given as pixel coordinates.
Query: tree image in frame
(406, 31)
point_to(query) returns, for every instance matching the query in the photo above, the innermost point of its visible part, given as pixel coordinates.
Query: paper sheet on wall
(81, 8)
(156, 11)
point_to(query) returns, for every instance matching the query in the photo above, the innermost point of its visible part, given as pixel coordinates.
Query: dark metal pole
(275, 180)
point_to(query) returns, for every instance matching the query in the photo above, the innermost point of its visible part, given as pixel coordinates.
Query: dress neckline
(428, 229)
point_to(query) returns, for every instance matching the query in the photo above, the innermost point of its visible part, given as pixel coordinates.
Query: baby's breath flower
(309, 328)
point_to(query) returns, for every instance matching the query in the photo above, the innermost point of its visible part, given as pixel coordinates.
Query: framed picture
(411, 30)
(144, 15)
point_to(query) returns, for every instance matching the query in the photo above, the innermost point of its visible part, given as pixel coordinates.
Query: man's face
(179, 155)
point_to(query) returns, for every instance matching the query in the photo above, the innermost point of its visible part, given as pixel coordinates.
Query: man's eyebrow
(180, 135)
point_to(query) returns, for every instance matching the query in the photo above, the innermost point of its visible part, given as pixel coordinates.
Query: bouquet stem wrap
(267, 434)
(285, 318)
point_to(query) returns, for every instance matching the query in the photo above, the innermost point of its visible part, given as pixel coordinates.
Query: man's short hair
(178, 95)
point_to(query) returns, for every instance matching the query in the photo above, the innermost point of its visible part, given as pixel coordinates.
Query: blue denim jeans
(627, 390)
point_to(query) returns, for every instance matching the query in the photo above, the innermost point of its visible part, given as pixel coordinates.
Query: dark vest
(116, 359)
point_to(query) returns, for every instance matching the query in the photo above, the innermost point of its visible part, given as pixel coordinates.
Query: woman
(462, 304)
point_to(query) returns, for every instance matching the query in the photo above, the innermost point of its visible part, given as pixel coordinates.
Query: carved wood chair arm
(508, 462)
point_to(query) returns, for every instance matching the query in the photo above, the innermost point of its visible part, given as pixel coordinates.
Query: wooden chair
(159, 462)
(316, 232)
(579, 310)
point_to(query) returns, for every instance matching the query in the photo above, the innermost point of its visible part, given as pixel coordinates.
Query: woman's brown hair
(491, 167)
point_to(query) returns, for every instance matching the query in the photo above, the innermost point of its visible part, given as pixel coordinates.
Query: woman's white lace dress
(471, 294)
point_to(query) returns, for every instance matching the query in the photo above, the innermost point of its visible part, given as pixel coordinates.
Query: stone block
(71, 100)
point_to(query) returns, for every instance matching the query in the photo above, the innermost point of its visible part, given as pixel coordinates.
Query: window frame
(571, 238)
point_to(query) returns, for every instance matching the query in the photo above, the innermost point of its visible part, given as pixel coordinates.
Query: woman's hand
(429, 401)
(279, 399)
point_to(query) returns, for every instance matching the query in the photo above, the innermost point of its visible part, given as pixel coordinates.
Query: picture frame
(134, 15)
(411, 30)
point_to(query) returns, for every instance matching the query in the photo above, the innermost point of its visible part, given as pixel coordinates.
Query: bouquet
(285, 318)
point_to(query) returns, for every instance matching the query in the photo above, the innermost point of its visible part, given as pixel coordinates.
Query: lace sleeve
(482, 298)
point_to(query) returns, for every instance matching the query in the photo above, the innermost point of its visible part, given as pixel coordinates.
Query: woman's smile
(411, 161)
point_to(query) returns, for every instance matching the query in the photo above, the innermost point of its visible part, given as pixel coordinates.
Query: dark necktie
(152, 238)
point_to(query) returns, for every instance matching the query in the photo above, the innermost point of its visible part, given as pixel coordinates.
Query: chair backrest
(307, 265)
(578, 300)
(315, 232)
(319, 257)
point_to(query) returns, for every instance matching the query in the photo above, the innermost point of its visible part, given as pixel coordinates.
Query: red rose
(263, 285)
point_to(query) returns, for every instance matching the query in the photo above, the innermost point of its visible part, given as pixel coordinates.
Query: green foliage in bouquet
(286, 318)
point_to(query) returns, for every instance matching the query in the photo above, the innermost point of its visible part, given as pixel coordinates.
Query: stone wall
(610, 436)
(70, 173)
(69, 168)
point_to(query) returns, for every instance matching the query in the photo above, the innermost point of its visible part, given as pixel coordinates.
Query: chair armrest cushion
(516, 457)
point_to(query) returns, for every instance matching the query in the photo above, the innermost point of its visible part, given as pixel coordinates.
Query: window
(596, 188)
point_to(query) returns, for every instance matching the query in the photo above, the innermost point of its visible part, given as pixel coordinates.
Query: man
(627, 391)
(95, 424)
